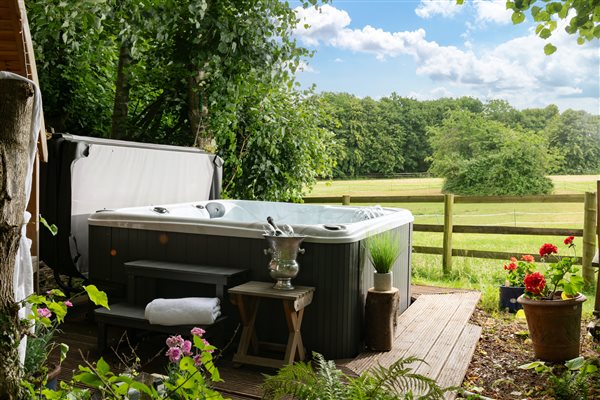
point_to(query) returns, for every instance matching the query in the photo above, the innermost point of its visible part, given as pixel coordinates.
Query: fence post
(447, 250)
(346, 200)
(589, 238)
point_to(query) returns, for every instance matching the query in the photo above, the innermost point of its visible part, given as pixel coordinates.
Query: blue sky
(428, 49)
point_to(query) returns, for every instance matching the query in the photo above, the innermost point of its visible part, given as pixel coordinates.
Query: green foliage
(482, 157)
(211, 72)
(583, 15)
(384, 249)
(98, 297)
(579, 379)
(301, 381)
(272, 145)
(576, 136)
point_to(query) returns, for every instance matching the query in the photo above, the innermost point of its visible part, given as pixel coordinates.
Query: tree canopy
(216, 74)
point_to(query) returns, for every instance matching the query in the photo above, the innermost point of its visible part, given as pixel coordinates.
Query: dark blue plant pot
(508, 298)
(52, 381)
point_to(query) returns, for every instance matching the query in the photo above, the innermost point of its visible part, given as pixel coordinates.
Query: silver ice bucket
(283, 265)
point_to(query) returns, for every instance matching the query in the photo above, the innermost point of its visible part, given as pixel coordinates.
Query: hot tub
(229, 233)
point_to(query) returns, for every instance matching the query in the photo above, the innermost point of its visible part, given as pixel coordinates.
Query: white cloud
(435, 93)
(329, 25)
(304, 67)
(338, 60)
(492, 11)
(430, 8)
(516, 70)
(324, 23)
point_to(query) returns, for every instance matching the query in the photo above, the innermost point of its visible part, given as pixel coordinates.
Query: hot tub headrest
(215, 210)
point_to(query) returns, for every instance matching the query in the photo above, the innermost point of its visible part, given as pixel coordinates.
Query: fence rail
(345, 199)
(588, 232)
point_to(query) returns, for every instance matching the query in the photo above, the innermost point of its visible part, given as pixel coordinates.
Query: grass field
(481, 274)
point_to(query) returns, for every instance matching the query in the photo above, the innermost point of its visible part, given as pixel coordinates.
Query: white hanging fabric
(23, 275)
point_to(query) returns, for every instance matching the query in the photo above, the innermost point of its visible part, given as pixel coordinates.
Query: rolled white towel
(184, 311)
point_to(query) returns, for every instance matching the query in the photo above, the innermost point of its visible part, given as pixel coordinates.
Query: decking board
(454, 369)
(435, 328)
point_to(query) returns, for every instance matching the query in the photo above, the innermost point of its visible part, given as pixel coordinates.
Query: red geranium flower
(569, 240)
(510, 267)
(535, 283)
(547, 249)
(527, 258)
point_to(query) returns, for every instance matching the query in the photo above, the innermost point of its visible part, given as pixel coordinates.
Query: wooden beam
(501, 230)
(553, 198)
(496, 255)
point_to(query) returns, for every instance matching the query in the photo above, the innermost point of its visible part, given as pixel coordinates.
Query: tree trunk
(198, 113)
(121, 105)
(16, 108)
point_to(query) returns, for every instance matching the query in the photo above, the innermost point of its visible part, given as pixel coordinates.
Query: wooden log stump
(16, 108)
(381, 315)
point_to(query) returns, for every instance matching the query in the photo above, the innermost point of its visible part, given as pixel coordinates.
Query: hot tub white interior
(321, 223)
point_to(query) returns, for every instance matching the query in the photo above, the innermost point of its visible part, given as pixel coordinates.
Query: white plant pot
(382, 282)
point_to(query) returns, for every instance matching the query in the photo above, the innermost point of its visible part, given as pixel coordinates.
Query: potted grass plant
(553, 303)
(383, 250)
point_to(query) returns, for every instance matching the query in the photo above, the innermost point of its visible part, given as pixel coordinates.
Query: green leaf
(64, 349)
(549, 49)
(534, 11)
(518, 17)
(102, 366)
(545, 33)
(459, 2)
(142, 388)
(52, 228)
(575, 363)
(89, 379)
(59, 309)
(532, 365)
(98, 297)
(520, 314)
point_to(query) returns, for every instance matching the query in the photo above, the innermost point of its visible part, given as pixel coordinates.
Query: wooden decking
(434, 328)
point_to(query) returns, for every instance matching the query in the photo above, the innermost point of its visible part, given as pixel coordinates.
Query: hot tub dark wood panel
(339, 272)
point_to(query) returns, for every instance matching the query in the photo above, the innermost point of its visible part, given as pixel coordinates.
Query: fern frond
(399, 379)
(297, 380)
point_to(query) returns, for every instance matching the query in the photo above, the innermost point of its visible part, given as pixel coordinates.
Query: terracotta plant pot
(554, 327)
(382, 282)
(509, 296)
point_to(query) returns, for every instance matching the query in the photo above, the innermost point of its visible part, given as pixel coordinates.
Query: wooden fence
(587, 232)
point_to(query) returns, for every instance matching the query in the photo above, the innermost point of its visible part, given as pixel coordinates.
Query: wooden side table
(247, 298)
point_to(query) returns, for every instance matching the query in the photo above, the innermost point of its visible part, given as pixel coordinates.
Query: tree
(179, 72)
(575, 135)
(477, 156)
(16, 108)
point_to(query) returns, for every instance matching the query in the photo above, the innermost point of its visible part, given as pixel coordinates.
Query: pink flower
(197, 360)
(186, 347)
(174, 354)
(175, 341)
(44, 313)
(207, 344)
(68, 303)
(198, 332)
(513, 259)
(528, 258)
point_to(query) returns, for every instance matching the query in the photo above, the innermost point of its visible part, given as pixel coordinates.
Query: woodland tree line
(220, 75)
